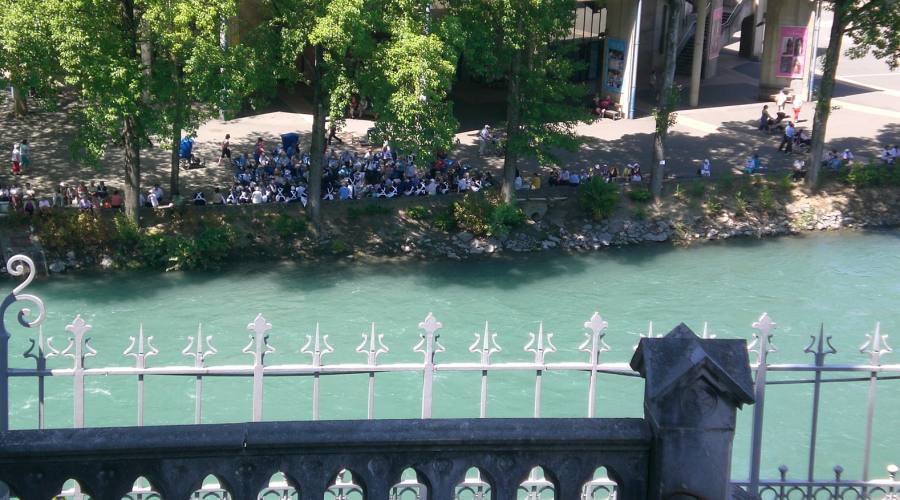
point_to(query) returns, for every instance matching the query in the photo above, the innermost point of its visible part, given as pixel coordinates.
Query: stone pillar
(712, 64)
(621, 17)
(783, 14)
(759, 23)
(693, 388)
(699, 56)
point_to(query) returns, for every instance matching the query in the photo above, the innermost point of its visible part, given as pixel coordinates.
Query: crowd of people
(281, 175)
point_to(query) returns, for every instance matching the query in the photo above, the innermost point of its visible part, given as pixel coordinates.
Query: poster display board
(791, 60)
(715, 33)
(615, 65)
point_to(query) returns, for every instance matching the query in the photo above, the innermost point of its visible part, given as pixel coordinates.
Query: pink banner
(715, 33)
(791, 60)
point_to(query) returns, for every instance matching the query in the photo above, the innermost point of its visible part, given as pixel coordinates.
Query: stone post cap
(664, 362)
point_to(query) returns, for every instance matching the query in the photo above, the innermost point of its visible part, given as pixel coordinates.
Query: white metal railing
(485, 345)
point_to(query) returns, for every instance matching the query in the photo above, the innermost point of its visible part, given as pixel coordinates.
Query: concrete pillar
(621, 17)
(783, 64)
(759, 18)
(697, 63)
(715, 32)
(693, 388)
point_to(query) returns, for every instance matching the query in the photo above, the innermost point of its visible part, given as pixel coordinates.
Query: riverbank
(447, 227)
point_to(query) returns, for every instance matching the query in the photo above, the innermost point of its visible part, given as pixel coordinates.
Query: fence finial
(259, 340)
(876, 345)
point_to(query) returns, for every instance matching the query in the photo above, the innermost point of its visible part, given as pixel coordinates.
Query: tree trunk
(20, 101)
(513, 128)
(317, 146)
(826, 90)
(175, 159)
(132, 170)
(665, 102)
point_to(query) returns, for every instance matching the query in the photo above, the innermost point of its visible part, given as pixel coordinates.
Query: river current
(848, 281)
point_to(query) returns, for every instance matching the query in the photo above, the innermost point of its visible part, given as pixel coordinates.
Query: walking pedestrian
(483, 138)
(16, 158)
(780, 100)
(787, 142)
(797, 105)
(226, 151)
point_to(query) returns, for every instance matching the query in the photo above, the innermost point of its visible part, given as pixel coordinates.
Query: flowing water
(848, 281)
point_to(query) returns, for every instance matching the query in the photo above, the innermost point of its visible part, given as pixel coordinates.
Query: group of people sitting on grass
(79, 195)
(282, 176)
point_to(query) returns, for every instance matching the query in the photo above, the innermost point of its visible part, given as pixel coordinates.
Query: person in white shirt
(796, 106)
(780, 100)
(483, 138)
(847, 155)
(463, 184)
(431, 187)
(152, 199)
(256, 198)
(888, 155)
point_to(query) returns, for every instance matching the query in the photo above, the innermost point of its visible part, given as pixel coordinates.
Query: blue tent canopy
(290, 141)
(185, 148)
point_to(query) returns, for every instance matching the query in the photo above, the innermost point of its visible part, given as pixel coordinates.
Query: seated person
(574, 179)
(636, 174)
(889, 155)
(199, 199)
(115, 201)
(765, 120)
(753, 164)
(554, 178)
(804, 138)
(847, 156)
(705, 168)
(535, 182)
(799, 172)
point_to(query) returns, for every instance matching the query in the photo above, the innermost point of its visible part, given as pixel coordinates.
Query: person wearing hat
(484, 137)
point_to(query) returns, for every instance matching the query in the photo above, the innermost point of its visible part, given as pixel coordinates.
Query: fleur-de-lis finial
(40, 350)
(822, 345)
(372, 346)
(319, 347)
(594, 343)
(142, 353)
(259, 340)
(79, 347)
(485, 344)
(876, 345)
(540, 344)
(429, 344)
(195, 348)
(762, 344)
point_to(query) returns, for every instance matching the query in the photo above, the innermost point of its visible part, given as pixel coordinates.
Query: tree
(873, 26)
(524, 45)
(192, 75)
(98, 50)
(27, 54)
(379, 48)
(668, 95)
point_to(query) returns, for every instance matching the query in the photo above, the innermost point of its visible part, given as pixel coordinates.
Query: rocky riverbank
(409, 230)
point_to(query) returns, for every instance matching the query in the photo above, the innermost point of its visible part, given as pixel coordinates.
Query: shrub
(486, 215)
(713, 206)
(679, 193)
(598, 198)
(639, 213)
(872, 175)
(696, 190)
(444, 220)
(505, 216)
(785, 184)
(640, 195)
(338, 247)
(740, 203)
(368, 209)
(417, 212)
(766, 198)
(287, 227)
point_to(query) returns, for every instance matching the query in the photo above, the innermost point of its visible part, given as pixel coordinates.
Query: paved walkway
(723, 129)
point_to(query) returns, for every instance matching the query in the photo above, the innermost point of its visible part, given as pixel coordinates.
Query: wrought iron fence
(200, 348)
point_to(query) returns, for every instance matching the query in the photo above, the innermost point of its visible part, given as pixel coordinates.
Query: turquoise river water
(848, 281)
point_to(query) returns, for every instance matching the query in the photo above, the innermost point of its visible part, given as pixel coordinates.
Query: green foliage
(640, 195)
(740, 203)
(417, 212)
(504, 217)
(368, 209)
(639, 213)
(598, 198)
(785, 184)
(62, 231)
(679, 193)
(444, 220)
(26, 46)
(288, 227)
(872, 175)
(766, 198)
(696, 190)
(485, 215)
(337, 247)
(713, 205)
